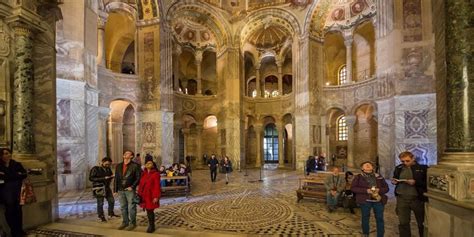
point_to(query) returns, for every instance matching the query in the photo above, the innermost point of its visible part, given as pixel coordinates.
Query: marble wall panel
(92, 134)
(167, 138)
(63, 112)
(415, 126)
(412, 21)
(386, 136)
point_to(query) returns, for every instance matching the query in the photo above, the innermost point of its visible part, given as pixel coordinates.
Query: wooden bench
(174, 188)
(312, 186)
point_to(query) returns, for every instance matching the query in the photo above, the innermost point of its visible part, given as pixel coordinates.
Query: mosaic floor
(243, 207)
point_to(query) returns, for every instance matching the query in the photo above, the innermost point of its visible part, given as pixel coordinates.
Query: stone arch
(121, 129)
(256, 20)
(204, 15)
(119, 35)
(365, 134)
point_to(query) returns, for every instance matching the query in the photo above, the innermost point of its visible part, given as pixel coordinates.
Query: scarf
(370, 178)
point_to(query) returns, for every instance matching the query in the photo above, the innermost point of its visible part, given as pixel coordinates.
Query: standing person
(13, 174)
(227, 166)
(370, 189)
(213, 163)
(410, 180)
(127, 178)
(101, 177)
(149, 191)
(137, 159)
(310, 164)
(348, 198)
(334, 184)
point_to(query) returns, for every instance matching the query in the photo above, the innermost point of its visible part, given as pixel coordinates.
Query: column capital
(257, 67)
(177, 50)
(198, 56)
(101, 21)
(21, 29)
(348, 42)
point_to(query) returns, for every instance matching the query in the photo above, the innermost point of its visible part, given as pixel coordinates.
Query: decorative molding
(439, 183)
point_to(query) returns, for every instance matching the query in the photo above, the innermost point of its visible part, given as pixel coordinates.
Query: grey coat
(338, 182)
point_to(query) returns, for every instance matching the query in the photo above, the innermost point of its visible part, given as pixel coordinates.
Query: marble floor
(245, 207)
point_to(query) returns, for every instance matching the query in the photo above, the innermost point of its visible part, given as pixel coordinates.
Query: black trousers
(404, 208)
(14, 218)
(100, 204)
(213, 174)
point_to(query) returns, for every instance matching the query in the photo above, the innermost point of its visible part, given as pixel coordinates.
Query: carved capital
(198, 56)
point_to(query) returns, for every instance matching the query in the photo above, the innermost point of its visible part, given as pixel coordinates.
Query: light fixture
(327, 83)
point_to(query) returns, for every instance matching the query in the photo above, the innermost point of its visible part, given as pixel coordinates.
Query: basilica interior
(265, 82)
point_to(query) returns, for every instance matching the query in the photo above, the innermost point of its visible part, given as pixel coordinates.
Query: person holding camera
(370, 189)
(101, 177)
(127, 178)
(334, 184)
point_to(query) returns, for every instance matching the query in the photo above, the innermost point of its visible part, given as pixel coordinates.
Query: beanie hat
(365, 162)
(148, 157)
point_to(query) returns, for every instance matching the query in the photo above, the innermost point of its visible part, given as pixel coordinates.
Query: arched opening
(288, 140)
(271, 86)
(337, 135)
(128, 62)
(119, 42)
(334, 57)
(121, 129)
(252, 88)
(129, 128)
(287, 84)
(210, 135)
(363, 54)
(270, 144)
(209, 75)
(187, 71)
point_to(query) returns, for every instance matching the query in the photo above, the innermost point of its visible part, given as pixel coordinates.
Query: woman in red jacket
(149, 191)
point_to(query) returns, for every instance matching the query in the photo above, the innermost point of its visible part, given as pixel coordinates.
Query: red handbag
(27, 195)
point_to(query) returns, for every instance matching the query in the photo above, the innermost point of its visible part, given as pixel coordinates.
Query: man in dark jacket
(127, 178)
(410, 180)
(213, 163)
(101, 177)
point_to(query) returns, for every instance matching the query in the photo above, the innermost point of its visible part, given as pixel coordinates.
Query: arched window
(342, 75)
(270, 144)
(341, 129)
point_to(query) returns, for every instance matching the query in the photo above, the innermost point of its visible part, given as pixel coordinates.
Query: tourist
(310, 165)
(101, 177)
(227, 167)
(182, 172)
(370, 189)
(334, 184)
(137, 159)
(348, 198)
(13, 174)
(149, 192)
(162, 174)
(410, 180)
(213, 163)
(321, 163)
(127, 178)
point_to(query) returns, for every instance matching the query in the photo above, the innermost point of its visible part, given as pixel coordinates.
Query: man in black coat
(213, 163)
(127, 178)
(410, 180)
(101, 177)
(12, 173)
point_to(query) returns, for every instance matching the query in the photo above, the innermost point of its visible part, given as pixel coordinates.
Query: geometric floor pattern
(244, 207)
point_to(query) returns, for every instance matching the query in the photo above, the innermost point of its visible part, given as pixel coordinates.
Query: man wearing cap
(410, 180)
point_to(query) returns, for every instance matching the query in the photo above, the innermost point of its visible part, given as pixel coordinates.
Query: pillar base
(451, 196)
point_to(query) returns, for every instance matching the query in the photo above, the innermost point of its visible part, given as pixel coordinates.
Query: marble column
(451, 182)
(101, 20)
(186, 143)
(23, 137)
(350, 121)
(103, 116)
(199, 141)
(280, 77)
(257, 80)
(281, 133)
(258, 132)
(348, 43)
(198, 63)
(115, 141)
(176, 54)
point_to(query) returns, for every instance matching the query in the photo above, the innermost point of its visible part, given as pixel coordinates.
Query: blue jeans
(129, 209)
(332, 200)
(378, 211)
(163, 183)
